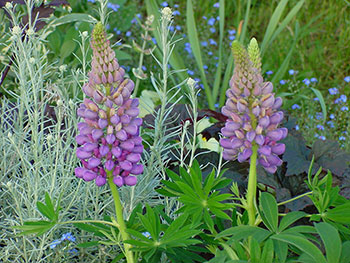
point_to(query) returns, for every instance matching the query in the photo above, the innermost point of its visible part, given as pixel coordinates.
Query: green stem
(252, 182)
(120, 219)
(295, 198)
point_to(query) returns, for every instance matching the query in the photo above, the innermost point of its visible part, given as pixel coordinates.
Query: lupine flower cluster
(252, 111)
(109, 135)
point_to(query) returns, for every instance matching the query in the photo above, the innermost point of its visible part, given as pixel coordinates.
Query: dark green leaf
(269, 208)
(331, 241)
(289, 219)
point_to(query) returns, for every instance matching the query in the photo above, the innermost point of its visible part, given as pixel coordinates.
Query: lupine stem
(119, 213)
(252, 182)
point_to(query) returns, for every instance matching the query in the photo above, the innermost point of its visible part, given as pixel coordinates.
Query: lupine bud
(109, 139)
(252, 111)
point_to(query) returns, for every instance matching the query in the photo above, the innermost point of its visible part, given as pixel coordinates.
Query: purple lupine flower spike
(252, 111)
(109, 135)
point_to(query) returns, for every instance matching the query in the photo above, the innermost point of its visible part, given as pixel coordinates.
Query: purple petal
(116, 151)
(133, 157)
(131, 129)
(115, 119)
(121, 135)
(130, 180)
(243, 156)
(226, 143)
(118, 180)
(278, 103)
(278, 149)
(126, 165)
(79, 172)
(89, 175)
(264, 122)
(260, 139)
(110, 138)
(94, 162)
(89, 146)
(250, 136)
(138, 149)
(232, 126)
(271, 169)
(89, 114)
(100, 180)
(132, 112)
(267, 88)
(276, 117)
(83, 154)
(125, 119)
(109, 165)
(227, 132)
(96, 134)
(102, 123)
(263, 162)
(104, 149)
(137, 169)
(274, 160)
(275, 135)
(285, 132)
(137, 121)
(236, 143)
(265, 150)
(81, 139)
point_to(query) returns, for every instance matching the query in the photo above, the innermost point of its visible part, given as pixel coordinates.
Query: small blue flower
(306, 82)
(212, 29)
(322, 138)
(117, 32)
(128, 33)
(232, 37)
(176, 13)
(178, 28)
(91, 1)
(212, 42)
(291, 72)
(297, 127)
(316, 99)
(320, 127)
(68, 236)
(154, 40)
(343, 98)
(171, 28)
(204, 43)
(211, 21)
(282, 82)
(205, 66)
(204, 17)
(201, 86)
(139, 15)
(144, 68)
(197, 79)
(133, 21)
(333, 91)
(319, 115)
(188, 47)
(218, 18)
(108, 26)
(164, 4)
(330, 123)
(341, 138)
(269, 72)
(210, 53)
(295, 106)
(216, 105)
(176, 6)
(332, 117)
(217, 5)
(55, 243)
(216, 58)
(190, 72)
(344, 108)
(313, 80)
(114, 7)
(347, 79)
(232, 32)
(316, 135)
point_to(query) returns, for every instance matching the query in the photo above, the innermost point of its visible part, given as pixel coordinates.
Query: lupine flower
(109, 135)
(252, 111)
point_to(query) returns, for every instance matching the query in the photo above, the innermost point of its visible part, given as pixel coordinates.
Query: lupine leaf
(331, 241)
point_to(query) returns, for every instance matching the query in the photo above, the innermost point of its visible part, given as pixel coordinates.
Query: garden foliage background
(305, 54)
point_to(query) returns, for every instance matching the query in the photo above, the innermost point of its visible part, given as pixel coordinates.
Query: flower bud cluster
(252, 111)
(109, 135)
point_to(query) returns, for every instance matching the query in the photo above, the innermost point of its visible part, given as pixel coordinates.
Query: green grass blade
(75, 17)
(218, 73)
(272, 24)
(227, 77)
(286, 21)
(245, 24)
(194, 41)
(322, 103)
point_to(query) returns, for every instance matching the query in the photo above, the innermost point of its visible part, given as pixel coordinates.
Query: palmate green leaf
(255, 251)
(267, 252)
(331, 241)
(221, 183)
(208, 220)
(34, 227)
(289, 219)
(50, 206)
(74, 17)
(172, 186)
(281, 250)
(269, 211)
(300, 229)
(44, 210)
(209, 182)
(303, 244)
(345, 254)
(185, 176)
(243, 232)
(196, 49)
(339, 214)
